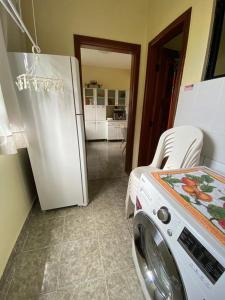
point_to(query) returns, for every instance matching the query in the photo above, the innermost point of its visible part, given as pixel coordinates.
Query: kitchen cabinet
(95, 113)
(121, 98)
(104, 130)
(101, 95)
(111, 132)
(114, 131)
(96, 130)
(100, 113)
(95, 103)
(89, 96)
(89, 112)
(111, 97)
(90, 129)
(101, 130)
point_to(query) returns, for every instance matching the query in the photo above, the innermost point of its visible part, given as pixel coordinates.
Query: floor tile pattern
(76, 253)
(105, 160)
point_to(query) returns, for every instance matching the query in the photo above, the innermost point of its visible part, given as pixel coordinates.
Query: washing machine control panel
(206, 262)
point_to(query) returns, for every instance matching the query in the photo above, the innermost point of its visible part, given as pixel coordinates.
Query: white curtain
(11, 126)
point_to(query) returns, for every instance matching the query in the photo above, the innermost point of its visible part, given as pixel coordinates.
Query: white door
(119, 132)
(100, 113)
(112, 133)
(89, 113)
(101, 130)
(90, 127)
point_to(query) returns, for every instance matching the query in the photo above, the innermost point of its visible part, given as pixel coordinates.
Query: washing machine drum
(157, 265)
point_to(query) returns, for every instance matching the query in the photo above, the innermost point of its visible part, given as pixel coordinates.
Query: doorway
(165, 62)
(106, 84)
(85, 43)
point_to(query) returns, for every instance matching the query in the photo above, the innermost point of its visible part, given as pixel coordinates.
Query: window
(216, 63)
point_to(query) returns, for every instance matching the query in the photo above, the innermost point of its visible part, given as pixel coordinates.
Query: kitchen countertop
(116, 120)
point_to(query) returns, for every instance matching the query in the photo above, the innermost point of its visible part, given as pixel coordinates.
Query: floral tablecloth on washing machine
(202, 192)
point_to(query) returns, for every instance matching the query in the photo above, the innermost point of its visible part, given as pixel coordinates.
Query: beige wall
(163, 12)
(110, 78)
(136, 21)
(58, 20)
(15, 39)
(160, 14)
(16, 193)
(16, 181)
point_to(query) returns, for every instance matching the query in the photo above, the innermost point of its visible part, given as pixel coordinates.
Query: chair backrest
(181, 146)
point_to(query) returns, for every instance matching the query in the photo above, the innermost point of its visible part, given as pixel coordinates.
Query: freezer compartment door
(52, 133)
(76, 86)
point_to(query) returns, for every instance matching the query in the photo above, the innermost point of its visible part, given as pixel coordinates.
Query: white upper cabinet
(104, 97)
(121, 98)
(101, 97)
(111, 97)
(89, 96)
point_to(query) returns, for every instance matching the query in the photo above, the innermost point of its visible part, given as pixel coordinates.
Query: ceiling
(105, 59)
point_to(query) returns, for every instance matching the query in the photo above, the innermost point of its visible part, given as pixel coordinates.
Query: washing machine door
(157, 265)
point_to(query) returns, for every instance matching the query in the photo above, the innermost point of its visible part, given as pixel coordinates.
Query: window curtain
(12, 135)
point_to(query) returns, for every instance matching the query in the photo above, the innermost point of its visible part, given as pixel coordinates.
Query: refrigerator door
(52, 132)
(76, 86)
(83, 161)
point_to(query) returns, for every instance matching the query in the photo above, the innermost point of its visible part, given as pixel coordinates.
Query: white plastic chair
(124, 135)
(181, 146)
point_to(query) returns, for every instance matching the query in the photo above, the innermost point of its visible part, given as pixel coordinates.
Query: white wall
(203, 106)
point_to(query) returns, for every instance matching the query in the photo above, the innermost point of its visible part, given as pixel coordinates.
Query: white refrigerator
(54, 127)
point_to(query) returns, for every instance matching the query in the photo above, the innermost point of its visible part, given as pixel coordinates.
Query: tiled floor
(105, 160)
(76, 253)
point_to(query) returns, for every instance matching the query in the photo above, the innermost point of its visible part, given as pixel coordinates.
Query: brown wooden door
(162, 84)
(165, 70)
(166, 73)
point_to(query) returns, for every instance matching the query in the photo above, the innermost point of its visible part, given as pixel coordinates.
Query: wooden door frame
(81, 41)
(180, 25)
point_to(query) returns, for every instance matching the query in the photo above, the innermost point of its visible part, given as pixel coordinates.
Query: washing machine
(175, 257)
